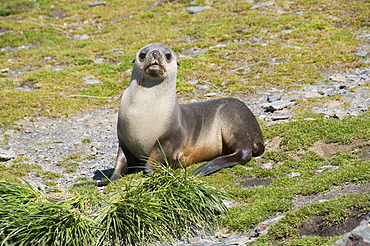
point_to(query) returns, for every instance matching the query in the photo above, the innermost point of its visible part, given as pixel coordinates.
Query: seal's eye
(142, 55)
(168, 56)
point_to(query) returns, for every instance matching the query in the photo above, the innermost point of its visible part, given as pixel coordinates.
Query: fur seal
(152, 125)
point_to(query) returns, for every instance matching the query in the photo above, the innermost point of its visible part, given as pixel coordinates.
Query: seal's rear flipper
(209, 168)
(238, 157)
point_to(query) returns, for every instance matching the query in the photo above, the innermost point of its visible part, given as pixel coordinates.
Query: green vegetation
(286, 45)
(335, 211)
(281, 49)
(162, 207)
(304, 133)
(48, 175)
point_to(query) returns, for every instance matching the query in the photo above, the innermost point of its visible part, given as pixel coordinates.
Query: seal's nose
(155, 53)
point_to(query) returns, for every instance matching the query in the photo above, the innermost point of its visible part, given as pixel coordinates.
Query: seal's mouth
(155, 69)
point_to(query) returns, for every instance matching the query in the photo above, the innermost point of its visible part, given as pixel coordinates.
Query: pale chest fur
(144, 117)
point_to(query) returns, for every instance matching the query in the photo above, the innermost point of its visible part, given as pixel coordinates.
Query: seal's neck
(152, 87)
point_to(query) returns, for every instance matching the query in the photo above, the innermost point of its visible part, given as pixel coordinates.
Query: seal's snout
(154, 64)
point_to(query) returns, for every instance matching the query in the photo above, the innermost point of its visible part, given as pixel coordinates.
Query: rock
(81, 37)
(329, 167)
(273, 97)
(311, 88)
(350, 95)
(5, 70)
(267, 166)
(338, 78)
(90, 80)
(286, 31)
(293, 175)
(9, 132)
(265, 4)
(238, 240)
(196, 9)
(361, 53)
(97, 3)
(359, 236)
(99, 60)
(332, 104)
(262, 228)
(277, 105)
(211, 94)
(307, 95)
(6, 155)
(280, 117)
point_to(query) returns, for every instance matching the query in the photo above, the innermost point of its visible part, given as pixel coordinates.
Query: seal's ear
(178, 64)
(133, 61)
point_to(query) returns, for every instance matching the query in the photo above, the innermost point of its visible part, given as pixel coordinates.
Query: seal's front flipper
(239, 157)
(99, 184)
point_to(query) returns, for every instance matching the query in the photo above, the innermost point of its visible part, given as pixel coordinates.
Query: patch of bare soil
(317, 226)
(249, 183)
(326, 150)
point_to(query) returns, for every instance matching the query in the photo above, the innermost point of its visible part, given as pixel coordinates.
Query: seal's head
(155, 60)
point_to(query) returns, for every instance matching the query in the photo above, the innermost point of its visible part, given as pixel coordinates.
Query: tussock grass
(167, 206)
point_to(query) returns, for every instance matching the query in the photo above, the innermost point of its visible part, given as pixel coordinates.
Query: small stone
(293, 175)
(311, 88)
(349, 95)
(307, 95)
(197, 9)
(266, 166)
(99, 61)
(5, 70)
(90, 80)
(238, 240)
(338, 78)
(81, 37)
(329, 167)
(286, 31)
(340, 115)
(97, 3)
(196, 239)
(6, 155)
(265, 4)
(277, 105)
(361, 53)
(273, 97)
(227, 203)
(281, 117)
(211, 94)
(9, 132)
(333, 104)
(262, 228)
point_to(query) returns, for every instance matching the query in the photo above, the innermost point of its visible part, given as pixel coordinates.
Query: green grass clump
(14, 172)
(137, 210)
(133, 211)
(48, 175)
(25, 219)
